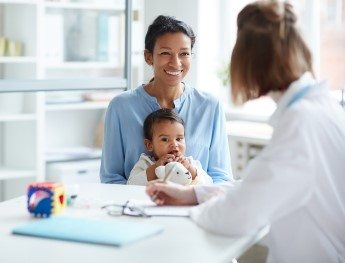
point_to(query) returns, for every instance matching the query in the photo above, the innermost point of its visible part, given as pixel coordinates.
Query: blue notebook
(88, 230)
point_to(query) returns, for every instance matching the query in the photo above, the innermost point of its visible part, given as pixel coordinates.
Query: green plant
(224, 74)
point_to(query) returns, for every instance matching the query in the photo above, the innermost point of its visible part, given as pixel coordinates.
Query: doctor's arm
(275, 183)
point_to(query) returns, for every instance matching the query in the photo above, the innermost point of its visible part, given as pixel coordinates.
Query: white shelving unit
(78, 106)
(20, 159)
(17, 60)
(9, 173)
(246, 140)
(53, 40)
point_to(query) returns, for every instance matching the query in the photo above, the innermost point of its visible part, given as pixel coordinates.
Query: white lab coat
(138, 174)
(296, 184)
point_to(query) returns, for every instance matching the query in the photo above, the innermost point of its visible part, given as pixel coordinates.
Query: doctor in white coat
(297, 183)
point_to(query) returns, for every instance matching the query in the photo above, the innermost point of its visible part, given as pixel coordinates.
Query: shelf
(17, 117)
(72, 154)
(21, 59)
(81, 65)
(7, 85)
(116, 6)
(77, 106)
(11, 173)
(59, 159)
(26, 2)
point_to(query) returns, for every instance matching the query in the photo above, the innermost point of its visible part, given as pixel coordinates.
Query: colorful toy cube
(46, 198)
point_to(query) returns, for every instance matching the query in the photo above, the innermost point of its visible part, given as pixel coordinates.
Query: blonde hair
(269, 52)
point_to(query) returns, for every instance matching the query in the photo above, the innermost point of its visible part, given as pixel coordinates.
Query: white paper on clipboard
(151, 209)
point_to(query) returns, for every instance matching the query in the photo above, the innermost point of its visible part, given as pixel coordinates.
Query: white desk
(181, 240)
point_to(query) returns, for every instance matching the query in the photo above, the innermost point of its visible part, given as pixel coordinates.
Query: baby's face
(168, 137)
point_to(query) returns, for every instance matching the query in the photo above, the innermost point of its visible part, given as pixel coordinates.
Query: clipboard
(151, 209)
(89, 230)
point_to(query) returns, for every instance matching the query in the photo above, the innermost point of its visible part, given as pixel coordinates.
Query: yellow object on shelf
(3, 46)
(14, 48)
(10, 47)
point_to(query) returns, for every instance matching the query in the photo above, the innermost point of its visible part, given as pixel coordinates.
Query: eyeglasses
(126, 209)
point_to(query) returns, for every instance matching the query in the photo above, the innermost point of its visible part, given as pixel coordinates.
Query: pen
(165, 179)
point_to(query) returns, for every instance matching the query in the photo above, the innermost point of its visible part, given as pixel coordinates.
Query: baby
(164, 140)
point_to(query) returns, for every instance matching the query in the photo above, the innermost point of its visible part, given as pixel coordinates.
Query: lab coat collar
(305, 81)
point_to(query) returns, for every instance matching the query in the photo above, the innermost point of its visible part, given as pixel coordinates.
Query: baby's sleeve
(138, 174)
(202, 178)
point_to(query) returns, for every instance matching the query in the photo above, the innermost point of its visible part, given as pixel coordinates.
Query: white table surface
(181, 240)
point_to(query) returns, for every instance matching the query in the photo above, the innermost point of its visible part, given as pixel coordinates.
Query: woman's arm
(112, 163)
(219, 167)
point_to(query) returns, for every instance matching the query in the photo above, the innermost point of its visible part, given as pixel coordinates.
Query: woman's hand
(171, 194)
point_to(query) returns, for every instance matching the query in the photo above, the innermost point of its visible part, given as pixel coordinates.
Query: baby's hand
(186, 163)
(167, 158)
(182, 159)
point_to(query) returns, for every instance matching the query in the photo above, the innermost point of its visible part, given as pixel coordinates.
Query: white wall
(209, 45)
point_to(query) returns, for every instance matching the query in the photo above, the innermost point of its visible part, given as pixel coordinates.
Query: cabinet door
(83, 38)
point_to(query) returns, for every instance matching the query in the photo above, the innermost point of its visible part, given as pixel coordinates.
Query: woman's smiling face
(171, 58)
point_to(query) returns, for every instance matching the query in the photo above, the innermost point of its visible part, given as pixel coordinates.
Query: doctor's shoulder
(303, 119)
(308, 112)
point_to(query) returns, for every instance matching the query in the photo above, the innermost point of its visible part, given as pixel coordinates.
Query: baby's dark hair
(166, 24)
(158, 116)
